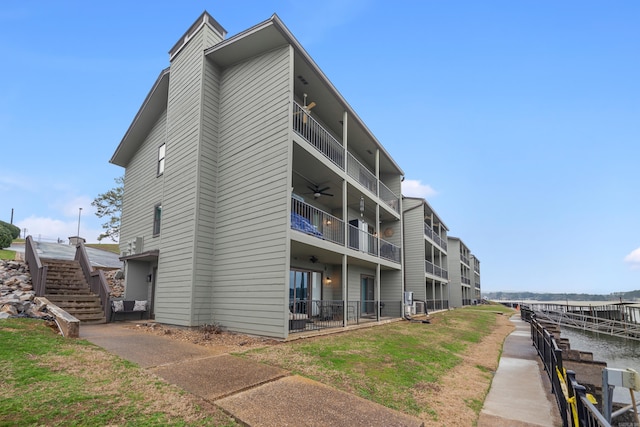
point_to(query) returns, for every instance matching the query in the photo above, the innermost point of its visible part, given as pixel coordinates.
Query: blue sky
(519, 121)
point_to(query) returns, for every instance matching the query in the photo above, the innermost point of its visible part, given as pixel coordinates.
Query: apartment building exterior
(425, 248)
(255, 197)
(461, 292)
(475, 281)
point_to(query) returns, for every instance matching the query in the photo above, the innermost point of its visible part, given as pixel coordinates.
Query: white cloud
(71, 207)
(633, 258)
(414, 188)
(51, 230)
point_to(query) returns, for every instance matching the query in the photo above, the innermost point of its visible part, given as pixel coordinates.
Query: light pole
(79, 213)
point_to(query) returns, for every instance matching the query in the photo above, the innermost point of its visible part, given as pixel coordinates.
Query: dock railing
(574, 404)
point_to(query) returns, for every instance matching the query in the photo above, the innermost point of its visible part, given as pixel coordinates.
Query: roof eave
(156, 99)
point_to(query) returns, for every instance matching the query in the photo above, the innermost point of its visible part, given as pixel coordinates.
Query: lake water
(617, 352)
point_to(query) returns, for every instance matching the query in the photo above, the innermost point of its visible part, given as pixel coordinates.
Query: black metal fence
(575, 405)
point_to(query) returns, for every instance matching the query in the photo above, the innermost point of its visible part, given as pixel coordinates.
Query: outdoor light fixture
(313, 259)
(328, 279)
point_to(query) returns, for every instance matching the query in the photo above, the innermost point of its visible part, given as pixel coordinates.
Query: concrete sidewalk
(254, 393)
(520, 394)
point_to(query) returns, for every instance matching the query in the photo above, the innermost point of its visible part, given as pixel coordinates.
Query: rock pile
(115, 280)
(16, 292)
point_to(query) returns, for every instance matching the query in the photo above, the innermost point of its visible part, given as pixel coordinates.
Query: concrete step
(72, 298)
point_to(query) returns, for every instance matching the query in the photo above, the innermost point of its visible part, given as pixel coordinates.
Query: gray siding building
(425, 247)
(460, 289)
(255, 197)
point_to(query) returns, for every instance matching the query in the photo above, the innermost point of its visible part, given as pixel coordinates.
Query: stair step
(71, 298)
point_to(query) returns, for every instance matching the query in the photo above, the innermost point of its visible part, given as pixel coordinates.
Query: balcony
(435, 270)
(316, 135)
(466, 280)
(323, 141)
(317, 223)
(464, 259)
(389, 197)
(429, 232)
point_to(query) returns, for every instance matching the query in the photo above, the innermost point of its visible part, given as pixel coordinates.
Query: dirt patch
(206, 336)
(460, 395)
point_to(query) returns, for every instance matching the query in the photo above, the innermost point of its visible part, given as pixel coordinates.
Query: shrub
(15, 231)
(5, 237)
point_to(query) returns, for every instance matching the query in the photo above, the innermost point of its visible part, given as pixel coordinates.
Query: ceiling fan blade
(304, 119)
(320, 190)
(326, 194)
(310, 106)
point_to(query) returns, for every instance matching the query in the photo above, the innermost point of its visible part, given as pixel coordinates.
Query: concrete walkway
(520, 394)
(254, 393)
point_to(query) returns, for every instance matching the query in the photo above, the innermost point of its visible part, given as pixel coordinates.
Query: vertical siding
(207, 186)
(177, 265)
(391, 286)
(143, 189)
(414, 248)
(250, 256)
(455, 282)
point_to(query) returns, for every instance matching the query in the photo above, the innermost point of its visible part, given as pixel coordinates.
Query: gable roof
(154, 104)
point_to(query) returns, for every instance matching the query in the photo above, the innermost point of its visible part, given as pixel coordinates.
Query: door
(367, 295)
(305, 291)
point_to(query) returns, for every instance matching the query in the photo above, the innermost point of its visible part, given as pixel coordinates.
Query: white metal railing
(430, 268)
(466, 280)
(464, 259)
(390, 251)
(389, 197)
(362, 241)
(316, 135)
(360, 173)
(315, 222)
(431, 233)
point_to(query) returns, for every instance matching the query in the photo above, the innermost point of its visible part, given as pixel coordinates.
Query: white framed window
(157, 216)
(161, 154)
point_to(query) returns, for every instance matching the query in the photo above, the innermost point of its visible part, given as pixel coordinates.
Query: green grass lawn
(110, 247)
(9, 255)
(49, 380)
(388, 363)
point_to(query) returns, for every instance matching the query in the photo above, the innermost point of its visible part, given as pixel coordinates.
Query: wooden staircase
(67, 288)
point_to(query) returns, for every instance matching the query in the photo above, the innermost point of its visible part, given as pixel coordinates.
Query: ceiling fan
(317, 191)
(306, 108)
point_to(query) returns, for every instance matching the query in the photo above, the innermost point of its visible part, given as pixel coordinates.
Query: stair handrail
(37, 270)
(95, 279)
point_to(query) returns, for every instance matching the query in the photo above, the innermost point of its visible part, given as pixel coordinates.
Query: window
(157, 214)
(161, 152)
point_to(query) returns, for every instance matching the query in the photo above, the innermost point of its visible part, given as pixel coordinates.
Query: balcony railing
(389, 197)
(311, 315)
(390, 251)
(465, 280)
(315, 222)
(435, 270)
(431, 233)
(317, 136)
(362, 241)
(464, 259)
(437, 304)
(360, 173)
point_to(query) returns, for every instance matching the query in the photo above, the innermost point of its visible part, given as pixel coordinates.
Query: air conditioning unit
(135, 246)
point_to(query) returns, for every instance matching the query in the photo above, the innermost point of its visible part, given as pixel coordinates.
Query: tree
(109, 205)
(5, 237)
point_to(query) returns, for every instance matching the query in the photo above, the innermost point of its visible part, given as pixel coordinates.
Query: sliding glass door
(304, 289)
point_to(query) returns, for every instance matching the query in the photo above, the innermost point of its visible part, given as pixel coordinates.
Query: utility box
(407, 303)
